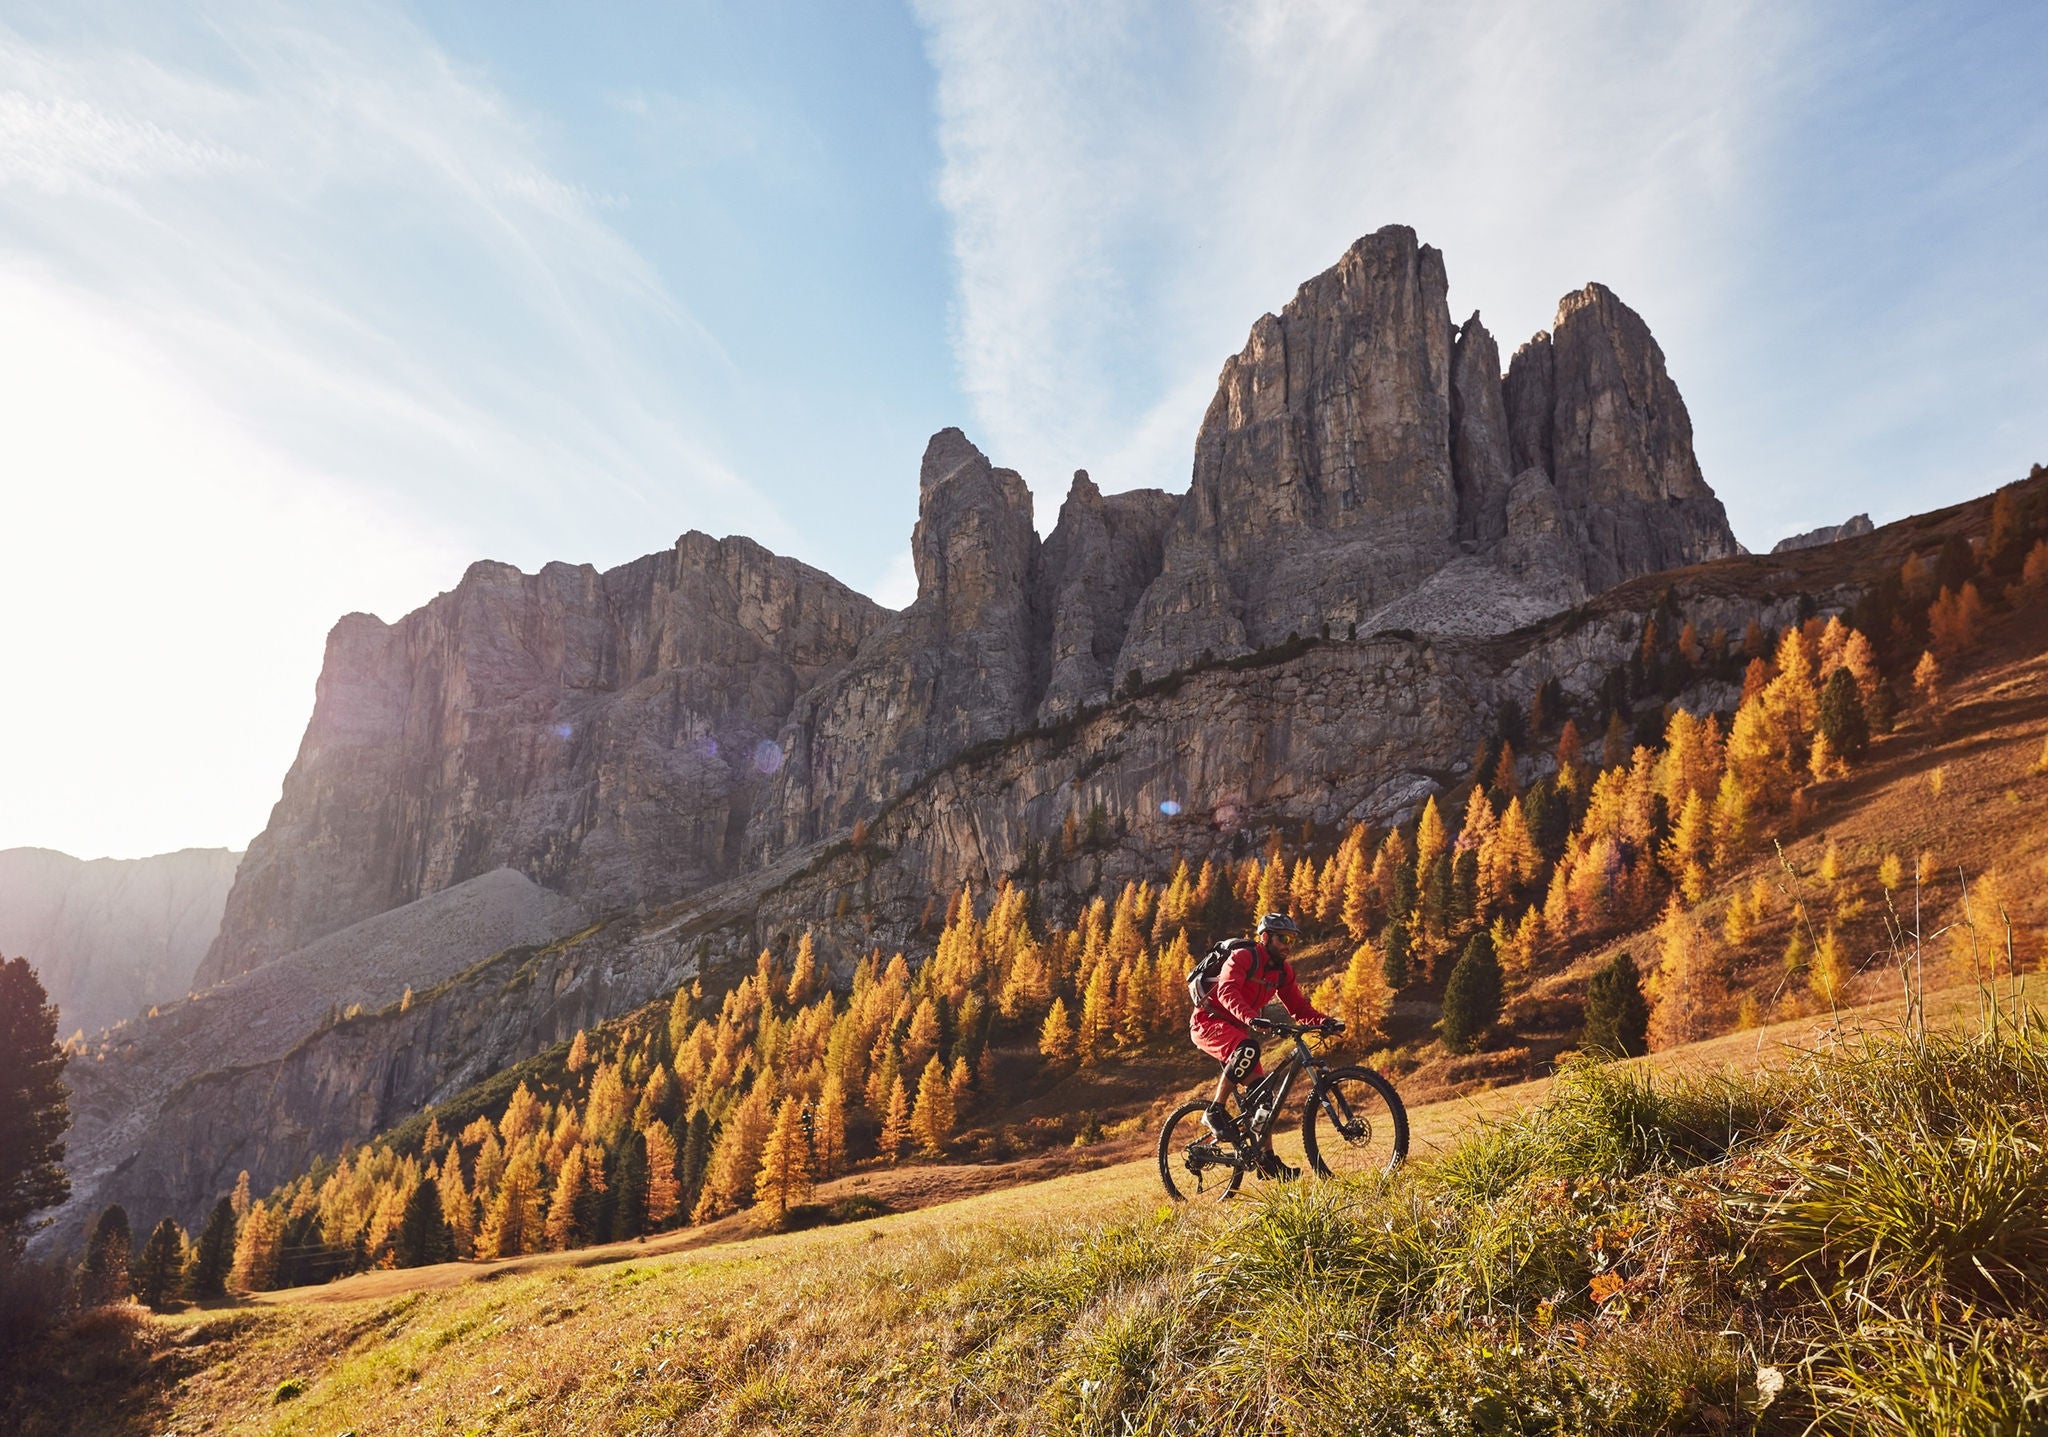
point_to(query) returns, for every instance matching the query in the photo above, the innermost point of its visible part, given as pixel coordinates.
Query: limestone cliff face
(1323, 485)
(1359, 448)
(1095, 567)
(601, 733)
(1592, 407)
(959, 666)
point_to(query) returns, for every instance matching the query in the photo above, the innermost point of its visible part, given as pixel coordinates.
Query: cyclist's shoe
(1222, 1127)
(1272, 1168)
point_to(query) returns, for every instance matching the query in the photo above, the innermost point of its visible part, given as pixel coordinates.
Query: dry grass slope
(1578, 1255)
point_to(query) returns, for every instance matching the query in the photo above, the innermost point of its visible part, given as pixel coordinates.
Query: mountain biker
(1252, 976)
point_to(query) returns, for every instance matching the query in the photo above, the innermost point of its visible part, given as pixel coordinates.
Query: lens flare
(767, 756)
(1170, 808)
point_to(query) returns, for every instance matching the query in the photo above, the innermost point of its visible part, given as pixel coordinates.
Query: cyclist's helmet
(1280, 928)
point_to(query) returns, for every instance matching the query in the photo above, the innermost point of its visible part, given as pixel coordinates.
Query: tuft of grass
(287, 1390)
(1916, 1173)
(1976, 1380)
(1608, 1120)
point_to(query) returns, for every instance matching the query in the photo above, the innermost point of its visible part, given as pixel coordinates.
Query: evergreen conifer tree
(158, 1267)
(103, 1275)
(1843, 722)
(33, 1111)
(696, 1157)
(1472, 996)
(1617, 1015)
(1394, 955)
(215, 1253)
(424, 1236)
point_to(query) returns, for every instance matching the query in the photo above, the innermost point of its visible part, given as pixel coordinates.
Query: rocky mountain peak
(974, 545)
(633, 736)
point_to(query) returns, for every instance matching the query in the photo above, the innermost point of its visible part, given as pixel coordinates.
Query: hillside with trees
(1604, 887)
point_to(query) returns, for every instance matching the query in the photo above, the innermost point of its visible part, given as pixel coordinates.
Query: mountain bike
(1353, 1124)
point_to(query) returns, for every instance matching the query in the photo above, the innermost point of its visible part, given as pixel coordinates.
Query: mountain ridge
(566, 724)
(112, 936)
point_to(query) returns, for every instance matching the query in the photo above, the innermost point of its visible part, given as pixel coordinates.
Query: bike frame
(1279, 1083)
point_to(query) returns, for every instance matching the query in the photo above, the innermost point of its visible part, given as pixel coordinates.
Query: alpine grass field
(1690, 1243)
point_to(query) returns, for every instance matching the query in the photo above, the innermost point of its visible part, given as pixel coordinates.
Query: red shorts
(1219, 1037)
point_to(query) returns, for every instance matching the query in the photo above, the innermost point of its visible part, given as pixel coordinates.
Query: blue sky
(309, 306)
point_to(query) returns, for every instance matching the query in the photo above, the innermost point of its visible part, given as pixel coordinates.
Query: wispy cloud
(302, 317)
(1132, 184)
(373, 252)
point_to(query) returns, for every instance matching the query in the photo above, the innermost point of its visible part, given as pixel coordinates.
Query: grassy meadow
(1843, 1224)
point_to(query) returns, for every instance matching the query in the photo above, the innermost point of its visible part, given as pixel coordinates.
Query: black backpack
(1208, 968)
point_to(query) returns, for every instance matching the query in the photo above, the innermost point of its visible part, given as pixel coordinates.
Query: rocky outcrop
(110, 936)
(1096, 565)
(961, 665)
(1594, 409)
(1481, 448)
(1358, 446)
(1826, 534)
(1323, 483)
(607, 735)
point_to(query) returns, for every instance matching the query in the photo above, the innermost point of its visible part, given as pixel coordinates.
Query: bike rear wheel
(1354, 1124)
(1193, 1166)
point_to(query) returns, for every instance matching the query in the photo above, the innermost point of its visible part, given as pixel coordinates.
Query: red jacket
(1251, 978)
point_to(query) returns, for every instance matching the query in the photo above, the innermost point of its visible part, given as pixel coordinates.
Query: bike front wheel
(1354, 1124)
(1193, 1166)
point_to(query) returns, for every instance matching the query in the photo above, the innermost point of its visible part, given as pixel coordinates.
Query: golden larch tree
(1091, 1043)
(1430, 836)
(895, 1124)
(784, 1177)
(1301, 890)
(931, 1118)
(1056, 1034)
(1363, 999)
(513, 1226)
(736, 1158)
(564, 1228)
(664, 1189)
(828, 1129)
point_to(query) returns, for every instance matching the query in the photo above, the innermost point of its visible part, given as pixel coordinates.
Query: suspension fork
(1332, 1099)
